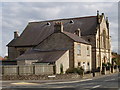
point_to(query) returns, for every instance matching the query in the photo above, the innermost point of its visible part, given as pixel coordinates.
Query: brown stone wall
(41, 77)
(83, 57)
(92, 40)
(64, 61)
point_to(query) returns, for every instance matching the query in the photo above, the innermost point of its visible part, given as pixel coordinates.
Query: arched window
(104, 39)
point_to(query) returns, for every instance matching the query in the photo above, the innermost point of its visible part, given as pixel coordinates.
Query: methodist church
(67, 42)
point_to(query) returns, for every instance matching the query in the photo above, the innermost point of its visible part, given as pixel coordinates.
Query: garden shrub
(78, 70)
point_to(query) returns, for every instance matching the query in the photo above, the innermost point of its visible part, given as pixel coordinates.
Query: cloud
(60, 1)
(16, 15)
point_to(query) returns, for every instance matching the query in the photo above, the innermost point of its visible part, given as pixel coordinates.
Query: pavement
(104, 82)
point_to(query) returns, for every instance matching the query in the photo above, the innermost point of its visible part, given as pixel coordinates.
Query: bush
(109, 64)
(78, 70)
(104, 65)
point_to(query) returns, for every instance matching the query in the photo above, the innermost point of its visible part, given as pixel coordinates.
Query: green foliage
(109, 64)
(116, 58)
(104, 64)
(78, 70)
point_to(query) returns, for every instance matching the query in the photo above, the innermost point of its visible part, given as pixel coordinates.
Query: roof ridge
(62, 19)
(83, 40)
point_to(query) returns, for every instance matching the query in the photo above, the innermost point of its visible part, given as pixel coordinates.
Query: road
(106, 82)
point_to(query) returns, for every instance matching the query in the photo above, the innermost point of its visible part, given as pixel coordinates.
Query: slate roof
(76, 38)
(42, 56)
(35, 32)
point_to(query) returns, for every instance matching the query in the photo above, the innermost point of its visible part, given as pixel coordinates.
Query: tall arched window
(104, 38)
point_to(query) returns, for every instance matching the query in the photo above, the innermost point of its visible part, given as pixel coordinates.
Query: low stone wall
(97, 73)
(90, 75)
(41, 77)
(108, 72)
(27, 69)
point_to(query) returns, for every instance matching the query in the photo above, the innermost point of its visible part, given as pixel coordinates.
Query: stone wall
(64, 61)
(41, 77)
(83, 58)
(27, 69)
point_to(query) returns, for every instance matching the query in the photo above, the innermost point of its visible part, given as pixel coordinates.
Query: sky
(16, 15)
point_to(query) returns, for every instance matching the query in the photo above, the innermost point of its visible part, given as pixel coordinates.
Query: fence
(27, 69)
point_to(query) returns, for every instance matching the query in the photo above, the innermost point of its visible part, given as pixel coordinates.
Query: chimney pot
(97, 12)
(48, 23)
(16, 34)
(71, 21)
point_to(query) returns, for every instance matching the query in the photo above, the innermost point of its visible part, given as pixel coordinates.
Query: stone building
(63, 49)
(74, 35)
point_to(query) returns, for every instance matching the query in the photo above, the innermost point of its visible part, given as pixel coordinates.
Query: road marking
(110, 79)
(24, 83)
(61, 87)
(96, 86)
(69, 81)
(86, 83)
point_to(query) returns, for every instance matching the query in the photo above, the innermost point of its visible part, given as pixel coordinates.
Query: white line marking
(69, 81)
(61, 87)
(86, 83)
(110, 80)
(96, 86)
(27, 83)
(24, 83)
(113, 79)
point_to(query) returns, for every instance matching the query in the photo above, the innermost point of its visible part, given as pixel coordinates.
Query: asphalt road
(109, 82)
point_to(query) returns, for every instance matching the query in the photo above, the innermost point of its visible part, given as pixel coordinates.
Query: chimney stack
(78, 32)
(16, 34)
(58, 27)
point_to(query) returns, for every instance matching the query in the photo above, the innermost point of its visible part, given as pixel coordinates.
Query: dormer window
(71, 21)
(48, 23)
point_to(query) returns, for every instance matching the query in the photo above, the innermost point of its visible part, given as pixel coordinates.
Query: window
(88, 51)
(79, 63)
(88, 64)
(78, 49)
(104, 39)
(83, 62)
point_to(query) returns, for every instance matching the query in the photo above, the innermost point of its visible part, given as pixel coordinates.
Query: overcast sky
(15, 16)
